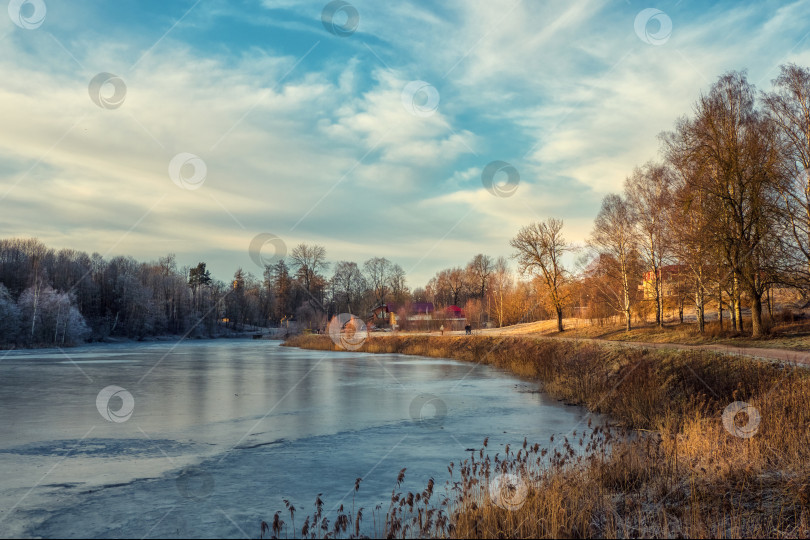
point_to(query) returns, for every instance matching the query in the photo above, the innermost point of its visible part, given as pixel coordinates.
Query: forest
(63, 297)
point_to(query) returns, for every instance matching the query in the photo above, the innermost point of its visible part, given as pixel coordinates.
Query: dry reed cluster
(671, 468)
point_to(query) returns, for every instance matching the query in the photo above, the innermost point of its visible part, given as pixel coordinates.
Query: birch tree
(788, 107)
(648, 193)
(615, 235)
(735, 152)
(501, 284)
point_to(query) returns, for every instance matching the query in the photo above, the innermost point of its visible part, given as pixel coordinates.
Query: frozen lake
(217, 433)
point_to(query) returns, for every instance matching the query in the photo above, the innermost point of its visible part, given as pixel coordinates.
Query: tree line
(62, 297)
(727, 203)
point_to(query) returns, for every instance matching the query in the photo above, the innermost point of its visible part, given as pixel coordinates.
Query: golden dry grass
(785, 332)
(782, 335)
(672, 469)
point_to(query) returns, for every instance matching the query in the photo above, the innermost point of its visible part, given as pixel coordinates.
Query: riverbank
(692, 468)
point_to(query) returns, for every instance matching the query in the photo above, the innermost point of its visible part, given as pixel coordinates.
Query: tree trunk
(699, 308)
(661, 296)
(34, 315)
(770, 304)
(56, 325)
(559, 318)
(720, 307)
(736, 314)
(658, 318)
(756, 313)
(738, 311)
(626, 286)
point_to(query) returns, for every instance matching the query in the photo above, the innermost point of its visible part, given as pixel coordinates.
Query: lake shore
(720, 448)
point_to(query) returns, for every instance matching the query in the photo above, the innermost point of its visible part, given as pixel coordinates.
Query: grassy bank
(782, 333)
(683, 473)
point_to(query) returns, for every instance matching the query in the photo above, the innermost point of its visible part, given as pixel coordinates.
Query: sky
(230, 131)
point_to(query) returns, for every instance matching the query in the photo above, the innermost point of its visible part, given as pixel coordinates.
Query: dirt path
(783, 356)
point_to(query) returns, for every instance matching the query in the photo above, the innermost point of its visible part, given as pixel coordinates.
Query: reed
(669, 468)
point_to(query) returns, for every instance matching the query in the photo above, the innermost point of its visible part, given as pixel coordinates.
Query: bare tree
(348, 285)
(735, 152)
(540, 248)
(457, 283)
(788, 106)
(688, 219)
(479, 269)
(399, 289)
(501, 283)
(378, 275)
(615, 235)
(9, 318)
(449, 286)
(309, 261)
(647, 191)
(58, 319)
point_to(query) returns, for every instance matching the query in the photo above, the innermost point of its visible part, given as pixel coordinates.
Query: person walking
(441, 329)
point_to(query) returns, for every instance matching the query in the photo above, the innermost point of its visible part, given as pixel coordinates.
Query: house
(421, 311)
(382, 314)
(673, 277)
(388, 312)
(419, 315)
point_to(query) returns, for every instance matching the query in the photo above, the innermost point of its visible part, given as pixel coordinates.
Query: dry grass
(792, 335)
(672, 469)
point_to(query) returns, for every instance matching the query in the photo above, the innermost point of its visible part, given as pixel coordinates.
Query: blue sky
(315, 137)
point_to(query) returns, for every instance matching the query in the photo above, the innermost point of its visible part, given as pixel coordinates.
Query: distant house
(421, 311)
(417, 315)
(673, 279)
(415, 311)
(381, 315)
(380, 312)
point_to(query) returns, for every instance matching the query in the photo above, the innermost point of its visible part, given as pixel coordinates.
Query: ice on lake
(219, 432)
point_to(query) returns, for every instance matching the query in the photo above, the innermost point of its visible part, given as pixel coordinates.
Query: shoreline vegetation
(708, 446)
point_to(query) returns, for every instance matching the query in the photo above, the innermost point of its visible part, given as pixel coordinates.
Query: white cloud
(564, 91)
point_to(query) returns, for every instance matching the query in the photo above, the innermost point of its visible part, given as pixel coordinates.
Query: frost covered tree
(50, 317)
(9, 318)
